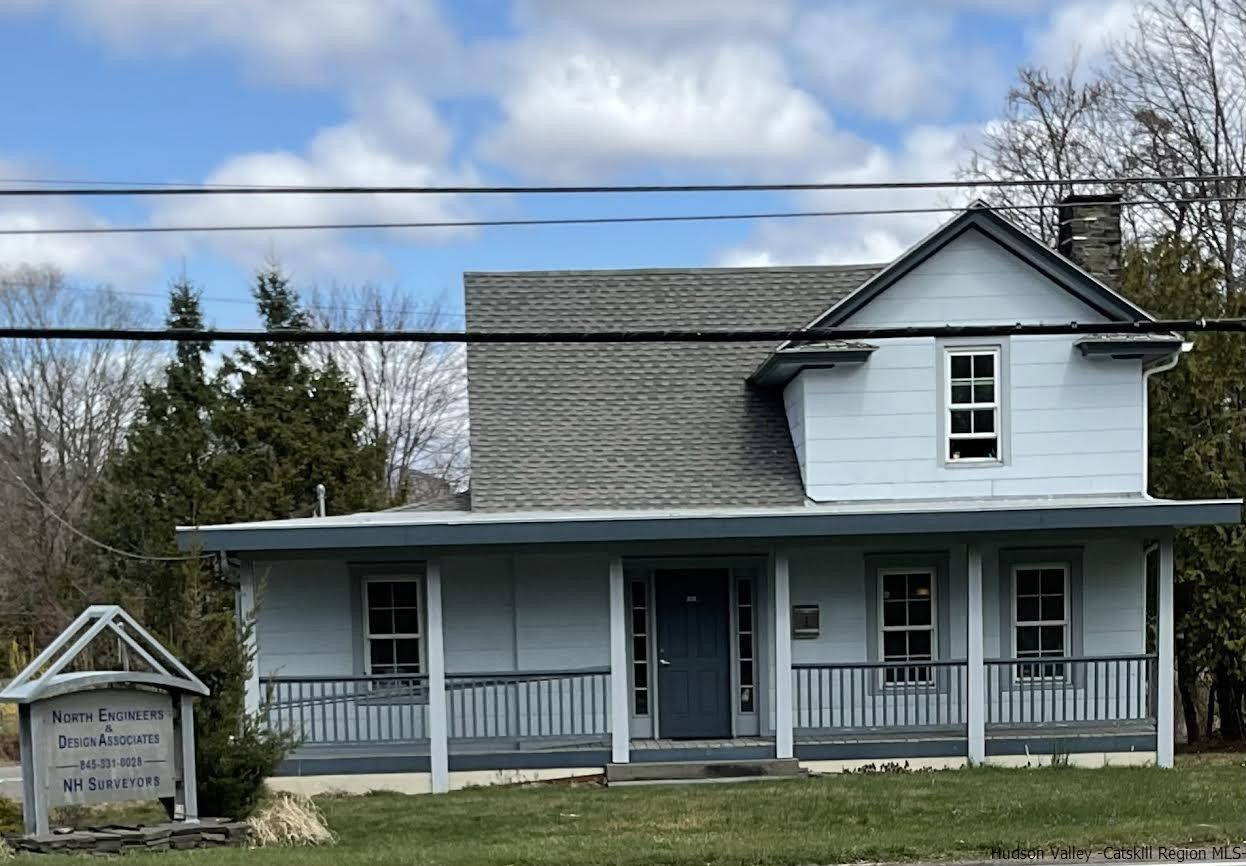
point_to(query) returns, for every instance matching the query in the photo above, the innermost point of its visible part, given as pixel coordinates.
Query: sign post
(105, 736)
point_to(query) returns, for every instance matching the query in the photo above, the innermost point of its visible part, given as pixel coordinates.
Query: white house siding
(502, 614)
(1112, 622)
(1071, 425)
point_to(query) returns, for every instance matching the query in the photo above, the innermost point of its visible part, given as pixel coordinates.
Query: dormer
(923, 417)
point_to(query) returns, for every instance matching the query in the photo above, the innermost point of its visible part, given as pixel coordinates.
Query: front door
(694, 657)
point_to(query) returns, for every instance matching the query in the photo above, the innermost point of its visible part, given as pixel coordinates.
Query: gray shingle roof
(635, 425)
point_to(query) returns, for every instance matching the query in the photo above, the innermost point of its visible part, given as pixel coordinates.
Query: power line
(398, 189)
(709, 335)
(562, 221)
(93, 541)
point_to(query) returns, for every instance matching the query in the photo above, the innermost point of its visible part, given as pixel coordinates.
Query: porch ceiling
(893, 517)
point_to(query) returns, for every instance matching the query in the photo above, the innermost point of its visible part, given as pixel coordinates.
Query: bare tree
(414, 394)
(1051, 131)
(1179, 84)
(65, 407)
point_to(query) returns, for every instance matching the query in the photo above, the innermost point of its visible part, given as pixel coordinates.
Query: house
(932, 550)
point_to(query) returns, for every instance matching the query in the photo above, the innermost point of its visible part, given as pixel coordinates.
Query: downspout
(1147, 372)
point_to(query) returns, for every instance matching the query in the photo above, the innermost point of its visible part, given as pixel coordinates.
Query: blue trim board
(1144, 514)
(1051, 745)
(881, 750)
(359, 764)
(698, 754)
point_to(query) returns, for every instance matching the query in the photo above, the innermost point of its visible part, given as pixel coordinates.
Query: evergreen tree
(163, 477)
(1196, 427)
(286, 426)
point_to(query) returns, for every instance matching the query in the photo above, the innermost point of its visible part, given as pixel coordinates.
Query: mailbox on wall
(806, 621)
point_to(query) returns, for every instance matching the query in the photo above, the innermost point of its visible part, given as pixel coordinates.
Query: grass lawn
(833, 819)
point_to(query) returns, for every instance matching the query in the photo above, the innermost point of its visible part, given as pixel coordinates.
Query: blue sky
(495, 91)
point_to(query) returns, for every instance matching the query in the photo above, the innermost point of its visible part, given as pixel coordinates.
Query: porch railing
(1083, 690)
(539, 705)
(525, 706)
(323, 711)
(872, 696)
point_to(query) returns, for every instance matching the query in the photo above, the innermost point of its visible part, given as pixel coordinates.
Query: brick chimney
(1090, 234)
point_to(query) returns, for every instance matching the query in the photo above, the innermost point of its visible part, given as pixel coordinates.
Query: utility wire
(562, 221)
(709, 335)
(398, 189)
(93, 541)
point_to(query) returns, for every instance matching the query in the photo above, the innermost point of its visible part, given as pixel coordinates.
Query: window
(394, 627)
(908, 623)
(745, 634)
(973, 405)
(640, 647)
(1040, 618)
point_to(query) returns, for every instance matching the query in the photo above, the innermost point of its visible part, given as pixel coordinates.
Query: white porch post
(246, 615)
(1164, 674)
(975, 690)
(438, 744)
(782, 657)
(620, 718)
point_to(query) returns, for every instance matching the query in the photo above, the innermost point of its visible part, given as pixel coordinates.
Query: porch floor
(827, 738)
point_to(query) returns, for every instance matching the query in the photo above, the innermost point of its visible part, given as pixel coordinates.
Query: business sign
(101, 736)
(107, 745)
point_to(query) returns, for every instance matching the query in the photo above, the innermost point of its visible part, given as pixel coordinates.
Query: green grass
(833, 819)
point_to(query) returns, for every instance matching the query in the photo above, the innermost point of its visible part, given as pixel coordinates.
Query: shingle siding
(635, 425)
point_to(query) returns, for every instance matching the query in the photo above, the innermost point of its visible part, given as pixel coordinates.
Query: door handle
(664, 663)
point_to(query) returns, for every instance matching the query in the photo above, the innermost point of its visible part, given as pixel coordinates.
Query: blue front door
(694, 656)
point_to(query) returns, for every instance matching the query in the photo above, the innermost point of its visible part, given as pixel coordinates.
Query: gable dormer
(975, 417)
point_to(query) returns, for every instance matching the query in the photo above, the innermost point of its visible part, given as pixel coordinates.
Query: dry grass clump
(6, 853)
(290, 820)
(8, 732)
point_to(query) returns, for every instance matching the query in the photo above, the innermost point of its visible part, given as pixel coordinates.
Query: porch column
(1165, 662)
(438, 743)
(975, 687)
(620, 718)
(782, 657)
(246, 616)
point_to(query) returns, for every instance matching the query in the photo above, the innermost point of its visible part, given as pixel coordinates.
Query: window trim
(1067, 624)
(366, 631)
(880, 574)
(996, 406)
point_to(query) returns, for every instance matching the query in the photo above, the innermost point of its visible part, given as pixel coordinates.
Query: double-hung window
(972, 405)
(1041, 618)
(394, 634)
(908, 628)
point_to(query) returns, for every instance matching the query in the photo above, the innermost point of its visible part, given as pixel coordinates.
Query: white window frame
(883, 628)
(420, 636)
(995, 405)
(1040, 623)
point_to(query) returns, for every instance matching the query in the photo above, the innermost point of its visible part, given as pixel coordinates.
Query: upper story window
(973, 405)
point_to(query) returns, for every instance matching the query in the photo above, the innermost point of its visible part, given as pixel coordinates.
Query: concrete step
(683, 771)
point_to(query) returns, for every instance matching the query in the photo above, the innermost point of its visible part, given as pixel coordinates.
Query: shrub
(10, 817)
(234, 754)
(8, 732)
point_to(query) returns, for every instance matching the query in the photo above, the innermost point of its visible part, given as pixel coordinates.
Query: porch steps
(703, 771)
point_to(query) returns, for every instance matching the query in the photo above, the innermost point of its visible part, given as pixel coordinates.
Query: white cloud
(300, 41)
(926, 153)
(1081, 29)
(395, 137)
(123, 260)
(893, 61)
(589, 108)
(657, 19)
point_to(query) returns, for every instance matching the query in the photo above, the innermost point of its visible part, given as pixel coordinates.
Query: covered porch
(552, 656)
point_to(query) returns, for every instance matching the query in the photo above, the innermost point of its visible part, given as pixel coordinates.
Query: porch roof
(890, 517)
